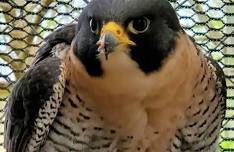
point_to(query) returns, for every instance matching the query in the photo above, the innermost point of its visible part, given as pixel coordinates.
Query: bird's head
(145, 30)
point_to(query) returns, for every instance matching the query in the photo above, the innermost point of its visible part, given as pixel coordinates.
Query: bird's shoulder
(63, 35)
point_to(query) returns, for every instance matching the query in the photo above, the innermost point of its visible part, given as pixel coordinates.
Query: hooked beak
(112, 35)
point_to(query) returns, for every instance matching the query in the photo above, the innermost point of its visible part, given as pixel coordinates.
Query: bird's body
(158, 93)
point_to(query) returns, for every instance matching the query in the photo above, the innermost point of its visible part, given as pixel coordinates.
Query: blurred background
(25, 23)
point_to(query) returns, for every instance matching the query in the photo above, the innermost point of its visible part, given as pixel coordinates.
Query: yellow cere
(117, 31)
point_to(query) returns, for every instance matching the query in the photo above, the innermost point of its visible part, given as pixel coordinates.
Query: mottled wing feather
(222, 84)
(32, 91)
(220, 79)
(28, 96)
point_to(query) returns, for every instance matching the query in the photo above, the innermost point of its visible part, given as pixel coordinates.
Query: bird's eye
(139, 25)
(93, 25)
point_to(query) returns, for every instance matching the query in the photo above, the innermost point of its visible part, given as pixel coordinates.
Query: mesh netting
(24, 24)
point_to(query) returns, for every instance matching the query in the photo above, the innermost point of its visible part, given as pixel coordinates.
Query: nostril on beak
(118, 32)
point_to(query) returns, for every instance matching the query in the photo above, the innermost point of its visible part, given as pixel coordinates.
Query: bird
(125, 78)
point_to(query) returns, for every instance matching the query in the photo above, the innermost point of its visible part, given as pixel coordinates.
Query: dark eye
(139, 25)
(93, 25)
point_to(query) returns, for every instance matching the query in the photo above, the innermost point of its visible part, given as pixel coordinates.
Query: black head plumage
(152, 46)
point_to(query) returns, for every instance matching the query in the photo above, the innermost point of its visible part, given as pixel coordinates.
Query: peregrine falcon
(125, 78)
